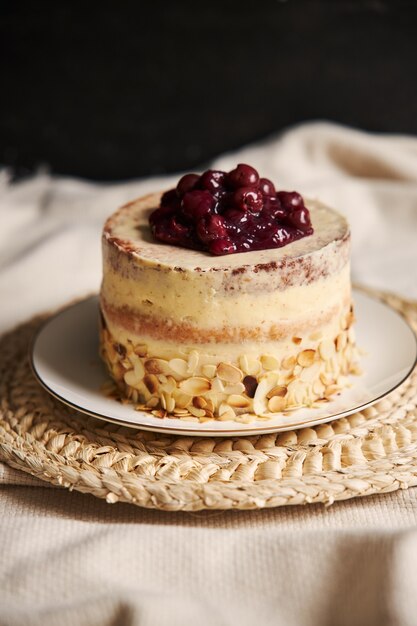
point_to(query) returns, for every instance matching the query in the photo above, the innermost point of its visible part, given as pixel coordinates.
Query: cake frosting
(226, 337)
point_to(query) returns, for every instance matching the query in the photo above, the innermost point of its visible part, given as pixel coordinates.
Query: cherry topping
(187, 183)
(243, 176)
(213, 181)
(223, 213)
(248, 199)
(196, 204)
(266, 187)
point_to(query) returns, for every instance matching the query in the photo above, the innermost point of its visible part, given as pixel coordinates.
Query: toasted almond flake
(227, 415)
(331, 390)
(296, 392)
(249, 365)
(163, 402)
(297, 370)
(199, 402)
(170, 402)
(237, 401)
(309, 374)
(276, 404)
(178, 411)
(297, 340)
(182, 400)
(269, 362)
(209, 405)
(288, 363)
(259, 400)
(229, 373)
(151, 383)
(197, 412)
(131, 379)
(250, 383)
(156, 366)
(237, 388)
(209, 370)
(195, 386)
(306, 358)
(193, 362)
(141, 350)
(169, 385)
(159, 413)
(279, 390)
(326, 379)
(341, 341)
(179, 367)
(246, 418)
(217, 385)
(327, 349)
(318, 388)
(153, 402)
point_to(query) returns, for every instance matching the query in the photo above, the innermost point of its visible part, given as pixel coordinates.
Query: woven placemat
(374, 451)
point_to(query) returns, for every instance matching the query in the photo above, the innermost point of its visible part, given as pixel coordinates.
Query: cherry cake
(225, 299)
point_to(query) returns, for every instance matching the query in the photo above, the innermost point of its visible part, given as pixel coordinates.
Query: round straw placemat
(374, 451)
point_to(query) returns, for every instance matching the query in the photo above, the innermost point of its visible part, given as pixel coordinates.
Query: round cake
(185, 333)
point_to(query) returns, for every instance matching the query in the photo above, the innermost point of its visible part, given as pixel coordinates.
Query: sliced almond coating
(318, 388)
(351, 335)
(296, 393)
(217, 385)
(341, 341)
(327, 349)
(196, 412)
(193, 362)
(279, 391)
(308, 374)
(306, 358)
(226, 413)
(297, 370)
(182, 400)
(151, 383)
(288, 363)
(199, 402)
(159, 413)
(195, 386)
(331, 390)
(156, 366)
(141, 350)
(131, 379)
(229, 373)
(237, 388)
(250, 384)
(276, 404)
(163, 402)
(169, 385)
(179, 367)
(209, 405)
(209, 370)
(264, 386)
(269, 362)
(326, 379)
(238, 402)
(296, 340)
(249, 365)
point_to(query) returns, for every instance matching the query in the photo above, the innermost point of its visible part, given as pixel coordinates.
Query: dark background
(128, 89)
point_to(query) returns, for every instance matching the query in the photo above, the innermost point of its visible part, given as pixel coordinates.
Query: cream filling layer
(174, 298)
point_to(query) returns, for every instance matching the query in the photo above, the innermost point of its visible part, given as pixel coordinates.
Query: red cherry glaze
(223, 213)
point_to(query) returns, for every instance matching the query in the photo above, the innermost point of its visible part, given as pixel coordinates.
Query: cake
(229, 336)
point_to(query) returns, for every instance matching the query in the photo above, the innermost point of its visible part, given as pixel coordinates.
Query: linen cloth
(67, 558)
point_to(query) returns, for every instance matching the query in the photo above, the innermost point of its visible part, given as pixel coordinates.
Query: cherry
(266, 187)
(222, 246)
(213, 180)
(187, 183)
(290, 199)
(299, 218)
(196, 204)
(211, 227)
(243, 176)
(248, 199)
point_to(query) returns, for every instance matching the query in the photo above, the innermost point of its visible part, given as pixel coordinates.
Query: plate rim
(191, 431)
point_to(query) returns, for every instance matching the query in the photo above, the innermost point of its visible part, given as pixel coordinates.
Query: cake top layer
(128, 230)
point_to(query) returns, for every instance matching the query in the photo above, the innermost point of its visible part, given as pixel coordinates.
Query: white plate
(65, 361)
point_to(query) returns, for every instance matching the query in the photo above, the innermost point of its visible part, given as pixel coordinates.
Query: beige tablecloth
(67, 558)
